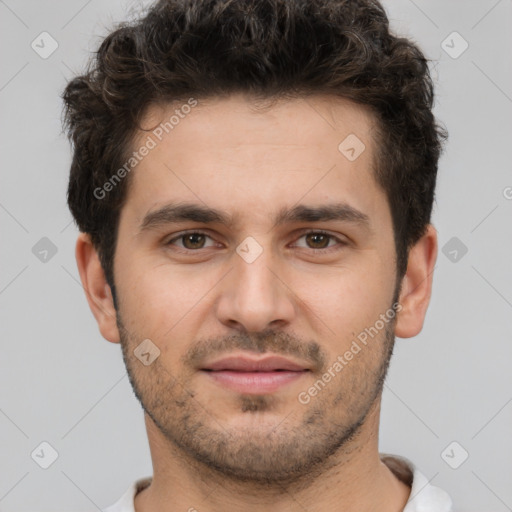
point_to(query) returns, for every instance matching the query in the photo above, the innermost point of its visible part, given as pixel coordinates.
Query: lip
(254, 376)
(248, 364)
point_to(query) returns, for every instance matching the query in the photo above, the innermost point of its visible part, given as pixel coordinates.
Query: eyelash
(316, 232)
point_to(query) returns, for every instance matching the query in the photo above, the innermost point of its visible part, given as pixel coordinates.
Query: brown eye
(193, 240)
(318, 240)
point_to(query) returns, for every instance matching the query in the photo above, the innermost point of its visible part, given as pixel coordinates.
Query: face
(258, 259)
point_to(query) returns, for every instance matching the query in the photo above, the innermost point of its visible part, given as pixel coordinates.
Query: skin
(214, 449)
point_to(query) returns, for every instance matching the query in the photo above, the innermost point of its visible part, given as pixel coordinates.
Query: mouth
(243, 374)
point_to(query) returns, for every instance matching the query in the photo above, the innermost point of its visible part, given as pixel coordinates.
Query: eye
(316, 241)
(320, 240)
(192, 240)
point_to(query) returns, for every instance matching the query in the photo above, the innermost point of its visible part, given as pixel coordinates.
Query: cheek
(160, 299)
(147, 299)
(335, 307)
(349, 297)
(165, 304)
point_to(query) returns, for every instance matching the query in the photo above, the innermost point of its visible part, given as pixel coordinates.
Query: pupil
(196, 239)
(314, 238)
(193, 239)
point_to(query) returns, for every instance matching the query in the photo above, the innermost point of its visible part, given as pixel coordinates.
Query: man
(253, 181)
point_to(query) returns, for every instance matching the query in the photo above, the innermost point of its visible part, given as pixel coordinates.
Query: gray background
(60, 382)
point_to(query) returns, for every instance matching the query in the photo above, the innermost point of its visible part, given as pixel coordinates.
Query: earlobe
(417, 285)
(97, 290)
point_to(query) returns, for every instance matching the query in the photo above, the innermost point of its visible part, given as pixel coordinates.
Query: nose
(255, 296)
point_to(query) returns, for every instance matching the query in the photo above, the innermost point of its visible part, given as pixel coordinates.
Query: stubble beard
(299, 447)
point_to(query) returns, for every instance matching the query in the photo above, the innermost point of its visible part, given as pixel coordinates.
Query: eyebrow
(182, 212)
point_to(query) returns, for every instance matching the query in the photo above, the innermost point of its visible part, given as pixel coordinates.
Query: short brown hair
(268, 49)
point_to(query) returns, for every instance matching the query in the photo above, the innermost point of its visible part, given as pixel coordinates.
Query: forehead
(299, 121)
(241, 154)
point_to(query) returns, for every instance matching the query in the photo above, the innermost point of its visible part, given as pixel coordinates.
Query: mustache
(279, 343)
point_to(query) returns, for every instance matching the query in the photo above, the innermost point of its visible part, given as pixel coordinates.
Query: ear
(97, 290)
(417, 285)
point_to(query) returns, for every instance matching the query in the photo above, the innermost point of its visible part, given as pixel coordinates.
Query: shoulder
(126, 502)
(424, 496)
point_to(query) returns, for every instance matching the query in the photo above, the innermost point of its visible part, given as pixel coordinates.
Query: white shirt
(424, 497)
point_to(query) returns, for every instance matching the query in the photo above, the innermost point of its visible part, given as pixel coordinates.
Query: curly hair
(268, 49)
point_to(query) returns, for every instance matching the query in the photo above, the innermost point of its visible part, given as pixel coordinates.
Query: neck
(354, 479)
